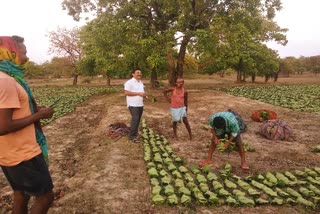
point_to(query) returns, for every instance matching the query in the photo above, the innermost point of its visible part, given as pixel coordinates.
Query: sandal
(205, 162)
(244, 166)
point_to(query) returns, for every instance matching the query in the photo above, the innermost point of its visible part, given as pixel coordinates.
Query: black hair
(219, 122)
(134, 70)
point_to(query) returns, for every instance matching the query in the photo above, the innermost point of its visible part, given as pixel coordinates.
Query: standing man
(178, 106)
(225, 123)
(23, 145)
(134, 90)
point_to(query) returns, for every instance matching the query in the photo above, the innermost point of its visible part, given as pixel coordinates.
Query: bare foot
(205, 162)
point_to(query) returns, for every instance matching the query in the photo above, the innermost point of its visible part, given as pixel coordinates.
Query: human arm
(186, 100)
(165, 94)
(132, 93)
(227, 144)
(8, 125)
(212, 148)
(215, 138)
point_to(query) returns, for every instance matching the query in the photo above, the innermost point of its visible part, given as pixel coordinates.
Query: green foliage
(316, 149)
(71, 97)
(33, 70)
(143, 33)
(297, 97)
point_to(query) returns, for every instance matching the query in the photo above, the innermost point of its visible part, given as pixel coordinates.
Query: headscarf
(10, 63)
(9, 50)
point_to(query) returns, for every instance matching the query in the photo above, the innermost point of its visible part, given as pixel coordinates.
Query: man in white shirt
(134, 90)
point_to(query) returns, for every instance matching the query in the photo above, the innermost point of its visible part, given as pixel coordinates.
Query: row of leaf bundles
(289, 179)
(290, 195)
(164, 168)
(233, 146)
(175, 183)
(185, 187)
(239, 197)
(155, 151)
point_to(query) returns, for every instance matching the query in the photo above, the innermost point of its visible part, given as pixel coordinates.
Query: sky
(34, 19)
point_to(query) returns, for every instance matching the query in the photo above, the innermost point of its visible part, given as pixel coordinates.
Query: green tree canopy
(148, 33)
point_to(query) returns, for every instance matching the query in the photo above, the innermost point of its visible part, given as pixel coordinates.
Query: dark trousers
(136, 113)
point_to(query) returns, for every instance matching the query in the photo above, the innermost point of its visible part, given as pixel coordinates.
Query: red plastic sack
(263, 115)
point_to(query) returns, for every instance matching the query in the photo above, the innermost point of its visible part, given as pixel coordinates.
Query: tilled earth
(94, 173)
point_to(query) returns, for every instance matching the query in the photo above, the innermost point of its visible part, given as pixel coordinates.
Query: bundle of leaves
(316, 149)
(233, 146)
(263, 115)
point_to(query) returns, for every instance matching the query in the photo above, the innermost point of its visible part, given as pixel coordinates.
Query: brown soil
(94, 173)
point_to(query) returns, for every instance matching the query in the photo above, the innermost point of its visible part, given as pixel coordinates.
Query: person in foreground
(225, 123)
(134, 91)
(23, 145)
(178, 106)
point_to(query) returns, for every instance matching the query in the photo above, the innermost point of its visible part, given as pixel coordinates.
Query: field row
(301, 98)
(65, 99)
(296, 97)
(173, 183)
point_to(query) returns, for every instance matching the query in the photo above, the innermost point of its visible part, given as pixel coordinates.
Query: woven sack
(276, 130)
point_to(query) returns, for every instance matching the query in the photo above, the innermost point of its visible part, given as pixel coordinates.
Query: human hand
(143, 94)
(226, 145)
(216, 140)
(45, 112)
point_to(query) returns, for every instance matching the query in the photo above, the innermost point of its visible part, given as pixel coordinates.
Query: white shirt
(134, 85)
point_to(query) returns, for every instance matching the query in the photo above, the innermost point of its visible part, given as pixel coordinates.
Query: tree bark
(154, 77)
(108, 81)
(238, 76)
(75, 79)
(276, 75)
(171, 66)
(253, 77)
(181, 56)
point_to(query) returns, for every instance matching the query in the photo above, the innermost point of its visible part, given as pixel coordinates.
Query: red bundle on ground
(263, 115)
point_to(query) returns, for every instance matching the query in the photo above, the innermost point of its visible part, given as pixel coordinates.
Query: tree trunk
(108, 81)
(243, 79)
(253, 77)
(276, 75)
(172, 70)
(238, 76)
(154, 78)
(267, 77)
(75, 79)
(181, 56)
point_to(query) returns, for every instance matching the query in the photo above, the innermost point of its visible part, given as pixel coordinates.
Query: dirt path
(93, 173)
